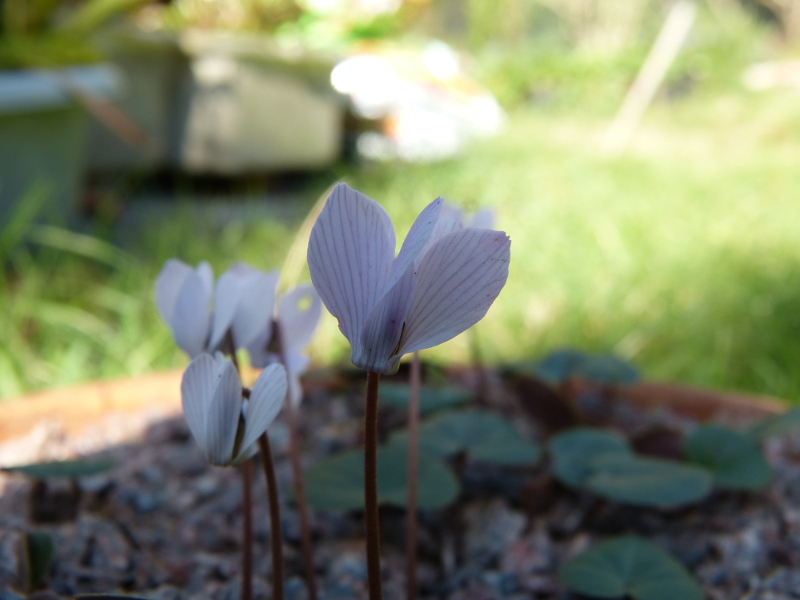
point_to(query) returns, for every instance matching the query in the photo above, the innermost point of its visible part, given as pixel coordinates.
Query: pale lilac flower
(225, 425)
(441, 283)
(298, 314)
(244, 300)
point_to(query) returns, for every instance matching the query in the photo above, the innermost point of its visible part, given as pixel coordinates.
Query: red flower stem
(299, 482)
(247, 530)
(371, 487)
(276, 536)
(413, 462)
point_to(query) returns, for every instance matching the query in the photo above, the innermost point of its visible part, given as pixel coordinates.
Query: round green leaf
(647, 481)
(482, 435)
(776, 425)
(572, 451)
(734, 459)
(629, 567)
(338, 482)
(63, 468)
(560, 365)
(607, 369)
(430, 398)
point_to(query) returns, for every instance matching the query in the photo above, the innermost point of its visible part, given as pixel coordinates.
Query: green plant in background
(48, 33)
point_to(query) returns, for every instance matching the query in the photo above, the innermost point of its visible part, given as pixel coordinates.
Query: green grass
(683, 256)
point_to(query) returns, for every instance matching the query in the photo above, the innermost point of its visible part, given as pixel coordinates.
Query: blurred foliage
(49, 33)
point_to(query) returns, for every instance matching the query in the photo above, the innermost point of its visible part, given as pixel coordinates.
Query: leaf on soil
(734, 459)
(573, 450)
(630, 567)
(430, 398)
(63, 468)
(338, 482)
(776, 425)
(482, 435)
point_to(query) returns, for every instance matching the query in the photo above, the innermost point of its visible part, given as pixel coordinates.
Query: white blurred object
(428, 107)
(769, 75)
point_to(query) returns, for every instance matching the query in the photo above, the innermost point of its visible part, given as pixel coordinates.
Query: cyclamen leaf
(734, 459)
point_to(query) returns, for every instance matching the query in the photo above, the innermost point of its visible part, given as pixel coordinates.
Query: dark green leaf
(39, 550)
(338, 482)
(734, 459)
(776, 425)
(430, 398)
(574, 449)
(63, 468)
(560, 365)
(642, 481)
(607, 369)
(630, 567)
(482, 435)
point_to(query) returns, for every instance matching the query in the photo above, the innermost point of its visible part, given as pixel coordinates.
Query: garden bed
(163, 524)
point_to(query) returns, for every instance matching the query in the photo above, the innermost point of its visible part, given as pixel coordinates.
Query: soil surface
(163, 524)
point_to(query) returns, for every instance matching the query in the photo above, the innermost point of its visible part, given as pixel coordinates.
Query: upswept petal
(443, 227)
(350, 255)
(260, 356)
(381, 334)
(417, 238)
(298, 313)
(481, 219)
(168, 285)
(266, 399)
(458, 280)
(256, 306)
(206, 274)
(226, 299)
(190, 316)
(222, 418)
(197, 389)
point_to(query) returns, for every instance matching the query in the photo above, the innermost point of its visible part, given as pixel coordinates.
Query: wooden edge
(75, 408)
(701, 404)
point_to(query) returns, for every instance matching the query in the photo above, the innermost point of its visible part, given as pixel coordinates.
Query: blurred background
(642, 154)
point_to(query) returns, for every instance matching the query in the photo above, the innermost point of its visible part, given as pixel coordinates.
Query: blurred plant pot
(152, 68)
(246, 105)
(42, 137)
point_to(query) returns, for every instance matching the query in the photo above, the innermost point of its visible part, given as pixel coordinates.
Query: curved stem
(297, 475)
(371, 487)
(247, 530)
(413, 462)
(275, 535)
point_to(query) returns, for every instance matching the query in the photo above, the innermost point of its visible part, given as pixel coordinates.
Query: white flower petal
(222, 419)
(458, 279)
(197, 389)
(381, 333)
(266, 400)
(350, 255)
(258, 350)
(168, 285)
(206, 274)
(190, 316)
(226, 300)
(481, 219)
(299, 312)
(256, 306)
(417, 238)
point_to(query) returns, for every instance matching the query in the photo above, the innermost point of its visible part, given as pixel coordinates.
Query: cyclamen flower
(441, 283)
(244, 299)
(297, 316)
(224, 423)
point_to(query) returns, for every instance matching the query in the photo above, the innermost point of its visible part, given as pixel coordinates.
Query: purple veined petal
(206, 274)
(481, 219)
(222, 419)
(417, 238)
(168, 284)
(296, 364)
(266, 400)
(256, 306)
(190, 316)
(443, 227)
(381, 333)
(458, 280)
(227, 292)
(197, 389)
(260, 356)
(298, 313)
(451, 212)
(350, 255)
